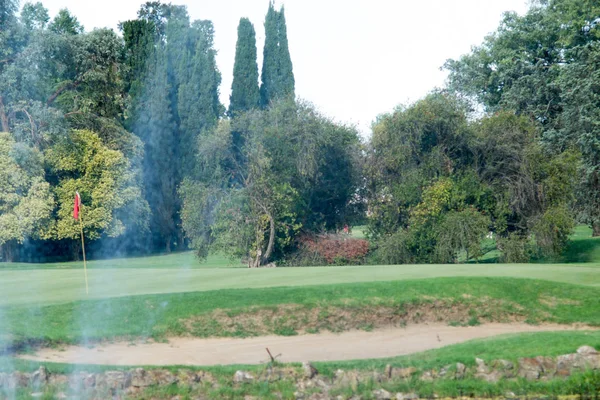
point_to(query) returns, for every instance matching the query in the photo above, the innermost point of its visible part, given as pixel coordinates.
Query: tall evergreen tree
(198, 102)
(156, 127)
(277, 71)
(287, 82)
(245, 93)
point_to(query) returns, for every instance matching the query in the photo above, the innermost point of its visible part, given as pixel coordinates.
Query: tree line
(509, 148)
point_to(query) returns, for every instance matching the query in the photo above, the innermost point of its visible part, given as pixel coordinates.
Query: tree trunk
(271, 244)
(3, 116)
(75, 248)
(596, 228)
(7, 250)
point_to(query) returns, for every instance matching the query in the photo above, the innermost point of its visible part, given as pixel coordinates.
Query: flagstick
(83, 249)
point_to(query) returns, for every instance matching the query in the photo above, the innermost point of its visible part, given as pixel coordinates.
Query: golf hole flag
(77, 206)
(76, 212)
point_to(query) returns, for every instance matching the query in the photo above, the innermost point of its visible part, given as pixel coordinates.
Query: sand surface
(313, 347)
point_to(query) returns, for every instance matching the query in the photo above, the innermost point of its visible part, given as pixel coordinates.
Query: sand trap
(316, 347)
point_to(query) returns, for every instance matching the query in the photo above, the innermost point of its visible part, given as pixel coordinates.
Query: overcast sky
(354, 59)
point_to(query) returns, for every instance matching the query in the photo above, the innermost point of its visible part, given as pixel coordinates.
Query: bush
(329, 250)
(394, 249)
(515, 248)
(461, 231)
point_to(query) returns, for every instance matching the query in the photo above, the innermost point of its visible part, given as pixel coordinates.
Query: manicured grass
(37, 287)
(161, 315)
(583, 248)
(359, 232)
(183, 260)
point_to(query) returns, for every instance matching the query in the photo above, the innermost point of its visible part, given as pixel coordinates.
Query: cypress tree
(277, 72)
(245, 94)
(198, 95)
(287, 82)
(156, 128)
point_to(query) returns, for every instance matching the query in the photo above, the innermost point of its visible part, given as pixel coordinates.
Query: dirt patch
(293, 319)
(553, 302)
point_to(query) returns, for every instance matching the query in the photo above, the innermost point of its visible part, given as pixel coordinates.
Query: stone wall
(309, 384)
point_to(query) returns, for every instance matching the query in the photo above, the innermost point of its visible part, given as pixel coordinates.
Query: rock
(548, 366)
(503, 365)
(189, 378)
(492, 376)
(569, 363)
(248, 397)
(242, 377)
(587, 350)
(407, 396)
(162, 377)
(347, 379)
(382, 394)
(140, 379)
(61, 396)
(388, 371)
(461, 371)
(299, 395)
(403, 373)
(427, 376)
(481, 367)
(37, 395)
(378, 378)
(504, 369)
(530, 369)
(40, 377)
(18, 380)
(309, 370)
(117, 380)
(320, 383)
(444, 371)
(89, 381)
(319, 396)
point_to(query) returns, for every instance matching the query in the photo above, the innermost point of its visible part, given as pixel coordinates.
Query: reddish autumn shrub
(335, 249)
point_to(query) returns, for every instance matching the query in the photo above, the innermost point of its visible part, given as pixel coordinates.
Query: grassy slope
(48, 286)
(161, 315)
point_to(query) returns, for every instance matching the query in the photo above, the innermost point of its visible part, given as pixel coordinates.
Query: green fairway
(181, 260)
(58, 286)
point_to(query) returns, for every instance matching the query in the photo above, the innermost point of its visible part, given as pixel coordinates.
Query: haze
(352, 59)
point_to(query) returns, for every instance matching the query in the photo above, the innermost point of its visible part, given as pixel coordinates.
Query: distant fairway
(47, 286)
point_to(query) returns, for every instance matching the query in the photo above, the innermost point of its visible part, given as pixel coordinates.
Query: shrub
(330, 249)
(515, 248)
(394, 249)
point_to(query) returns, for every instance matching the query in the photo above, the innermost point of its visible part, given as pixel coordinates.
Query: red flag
(76, 206)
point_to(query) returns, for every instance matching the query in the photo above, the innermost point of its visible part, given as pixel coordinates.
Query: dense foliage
(437, 183)
(509, 151)
(295, 171)
(544, 65)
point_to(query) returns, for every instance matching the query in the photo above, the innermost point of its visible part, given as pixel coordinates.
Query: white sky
(354, 59)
